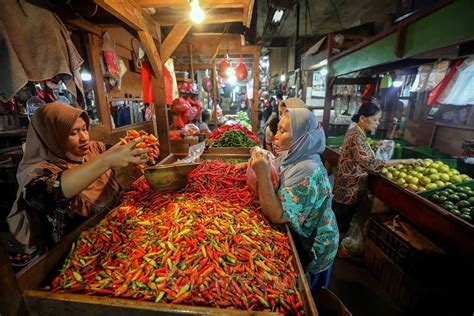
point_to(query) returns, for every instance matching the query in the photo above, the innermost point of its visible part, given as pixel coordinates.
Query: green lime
(435, 198)
(444, 193)
(442, 199)
(454, 198)
(452, 187)
(467, 188)
(471, 200)
(466, 210)
(449, 207)
(463, 204)
(466, 217)
(462, 196)
(456, 212)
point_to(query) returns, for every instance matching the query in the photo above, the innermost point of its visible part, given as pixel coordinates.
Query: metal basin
(169, 177)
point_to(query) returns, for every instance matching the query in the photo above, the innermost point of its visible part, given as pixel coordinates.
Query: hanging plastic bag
(252, 177)
(110, 57)
(385, 150)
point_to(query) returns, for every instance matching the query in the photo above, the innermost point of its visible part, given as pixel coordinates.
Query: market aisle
(360, 292)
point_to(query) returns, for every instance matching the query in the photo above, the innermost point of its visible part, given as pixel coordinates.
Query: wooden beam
(85, 25)
(152, 52)
(180, 4)
(94, 47)
(159, 95)
(248, 18)
(10, 294)
(210, 18)
(132, 15)
(195, 66)
(173, 39)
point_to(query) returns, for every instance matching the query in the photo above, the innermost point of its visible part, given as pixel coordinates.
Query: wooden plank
(210, 18)
(47, 303)
(159, 95)
(85, 25)
(184, 4)
(132, 15)
(94, 47)
(214, 44)
(256, 83)
(173, 39)
(196, 67)
(11, 302)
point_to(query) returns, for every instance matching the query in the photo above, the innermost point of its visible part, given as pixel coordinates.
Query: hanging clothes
(461, 92)
(146, 83)
(35, 46)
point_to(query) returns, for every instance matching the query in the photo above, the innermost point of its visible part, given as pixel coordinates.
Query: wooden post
(191, 61)
(11, 302)
(214, 91)
(256, 83)
(329, 88)
(93, 48)
(158, 88)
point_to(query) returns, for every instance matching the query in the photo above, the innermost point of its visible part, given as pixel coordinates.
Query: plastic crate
(401, 251)
(406, 291)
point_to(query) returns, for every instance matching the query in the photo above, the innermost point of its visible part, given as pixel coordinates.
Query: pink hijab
(45, 152)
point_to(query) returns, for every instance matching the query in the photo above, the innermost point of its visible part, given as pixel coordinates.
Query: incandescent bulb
(197, 14)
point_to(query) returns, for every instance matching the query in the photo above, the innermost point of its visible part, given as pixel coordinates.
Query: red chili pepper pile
(186, 247)
(216, 134)
(221, 179)
(148, 141)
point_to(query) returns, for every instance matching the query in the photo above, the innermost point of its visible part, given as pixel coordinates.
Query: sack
(252, 177)
(180, 106)
(385, 151)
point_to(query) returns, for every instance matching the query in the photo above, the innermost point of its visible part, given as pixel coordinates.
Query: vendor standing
(63, 177)
(303, 199)
(355, 161)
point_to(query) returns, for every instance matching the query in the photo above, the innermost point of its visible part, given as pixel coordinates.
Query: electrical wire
(337, 14)
(308, 10)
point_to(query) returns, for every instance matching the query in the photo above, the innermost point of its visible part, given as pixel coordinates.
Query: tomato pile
(148, 141)
(194, 246)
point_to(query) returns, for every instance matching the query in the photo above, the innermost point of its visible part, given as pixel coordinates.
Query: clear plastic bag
(190, 130)
(353, 243)
(194, 153)
(385, 150)
(252, 177)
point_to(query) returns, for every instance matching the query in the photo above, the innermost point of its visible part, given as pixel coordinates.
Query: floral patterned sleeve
(365, 156)
(307, 206)
(44, 193)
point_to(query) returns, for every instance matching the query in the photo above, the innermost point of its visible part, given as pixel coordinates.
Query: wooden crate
(42, 302)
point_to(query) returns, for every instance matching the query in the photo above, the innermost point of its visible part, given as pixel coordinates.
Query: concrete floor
(359, 291)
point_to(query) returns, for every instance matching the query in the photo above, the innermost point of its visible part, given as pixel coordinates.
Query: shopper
(304, 196)
(270, 132)
(355, 161)
(204, 127)
(290, 103)
(63, 176)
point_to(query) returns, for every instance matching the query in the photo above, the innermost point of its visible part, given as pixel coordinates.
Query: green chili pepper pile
(234, 139)
(185, 247)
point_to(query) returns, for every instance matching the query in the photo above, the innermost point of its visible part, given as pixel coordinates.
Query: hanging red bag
(223, 66)
(241, 72)
(437, 91)
(206, 84)
(146, 83)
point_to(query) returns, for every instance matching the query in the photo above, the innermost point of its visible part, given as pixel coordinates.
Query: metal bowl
(169, 177)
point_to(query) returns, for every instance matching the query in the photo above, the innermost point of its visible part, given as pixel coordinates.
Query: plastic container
(32, 105)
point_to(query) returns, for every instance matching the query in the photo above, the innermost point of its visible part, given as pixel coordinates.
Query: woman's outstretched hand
(121, 155)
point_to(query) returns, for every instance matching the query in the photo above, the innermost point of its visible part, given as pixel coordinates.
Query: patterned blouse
(45, 195)
(356, 159)
(307, 206)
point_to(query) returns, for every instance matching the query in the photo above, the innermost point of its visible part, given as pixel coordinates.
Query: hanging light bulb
(197, 14)
(324, 71)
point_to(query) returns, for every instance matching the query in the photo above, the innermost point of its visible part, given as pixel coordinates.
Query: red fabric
(110, 61)
(439, 89)
(168, 85)
(368, 93)
(146, 83)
